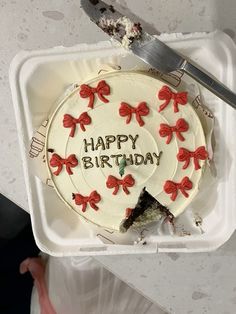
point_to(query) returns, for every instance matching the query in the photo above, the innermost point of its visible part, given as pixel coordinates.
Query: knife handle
(213, 85)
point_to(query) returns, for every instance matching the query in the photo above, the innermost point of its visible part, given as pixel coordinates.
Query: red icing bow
(167, 130)
(199, 154)
(113, 182)
(128, 212)
(70, 122)
(101, 90)
(92, 199)
(141, 110)
(57, 161)
(172, 188)
(166, 94)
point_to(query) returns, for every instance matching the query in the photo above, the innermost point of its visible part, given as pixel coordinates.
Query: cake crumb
(50, 150)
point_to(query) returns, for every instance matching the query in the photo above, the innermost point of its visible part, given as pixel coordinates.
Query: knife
(150, 49)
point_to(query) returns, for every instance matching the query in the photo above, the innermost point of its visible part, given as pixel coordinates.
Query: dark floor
(16, 244)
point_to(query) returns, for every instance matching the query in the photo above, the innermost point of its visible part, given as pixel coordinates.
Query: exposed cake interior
(147, 210)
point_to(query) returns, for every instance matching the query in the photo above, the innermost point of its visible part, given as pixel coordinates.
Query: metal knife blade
(149, 48)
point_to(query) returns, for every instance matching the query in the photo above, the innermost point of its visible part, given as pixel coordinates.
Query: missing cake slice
(147, 210)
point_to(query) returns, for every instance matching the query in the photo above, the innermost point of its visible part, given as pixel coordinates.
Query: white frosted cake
(119, 136)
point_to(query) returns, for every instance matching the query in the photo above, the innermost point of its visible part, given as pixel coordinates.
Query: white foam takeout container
(39, 78)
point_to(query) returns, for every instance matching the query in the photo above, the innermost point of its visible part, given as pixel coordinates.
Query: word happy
(116, 142)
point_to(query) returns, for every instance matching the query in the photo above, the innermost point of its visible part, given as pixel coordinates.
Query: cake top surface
(115, 135)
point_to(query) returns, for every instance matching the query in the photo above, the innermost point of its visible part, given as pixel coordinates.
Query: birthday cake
(124, 148)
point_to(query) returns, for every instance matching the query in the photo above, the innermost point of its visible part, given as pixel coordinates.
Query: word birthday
(116, 142)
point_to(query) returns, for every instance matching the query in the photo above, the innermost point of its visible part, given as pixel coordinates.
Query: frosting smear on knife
(123, 29)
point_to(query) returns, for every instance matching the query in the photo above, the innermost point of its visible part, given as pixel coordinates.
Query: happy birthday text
(116, 142)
